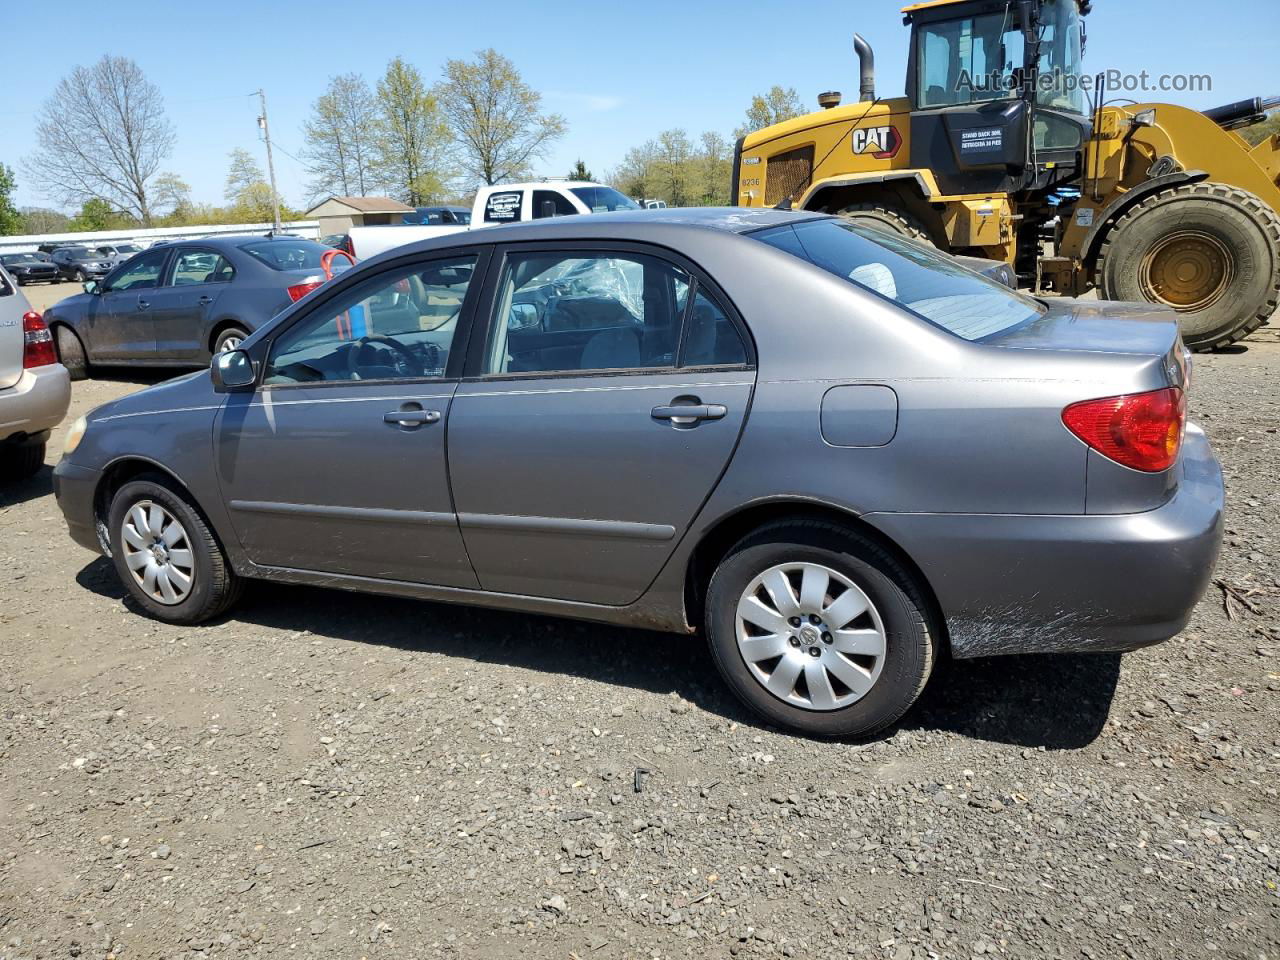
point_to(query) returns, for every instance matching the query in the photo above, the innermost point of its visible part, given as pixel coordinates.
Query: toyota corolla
(834, 453)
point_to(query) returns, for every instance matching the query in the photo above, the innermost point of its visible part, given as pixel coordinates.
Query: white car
(35, 390)
(505, 203)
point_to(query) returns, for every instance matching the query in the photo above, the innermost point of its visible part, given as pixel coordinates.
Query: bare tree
(338, 148)
(780, 103)
(494, 118)
(102, 136)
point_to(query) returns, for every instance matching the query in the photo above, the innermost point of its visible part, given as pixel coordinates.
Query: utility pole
(271, 167)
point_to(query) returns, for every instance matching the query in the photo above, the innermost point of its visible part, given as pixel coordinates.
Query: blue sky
(617, 72)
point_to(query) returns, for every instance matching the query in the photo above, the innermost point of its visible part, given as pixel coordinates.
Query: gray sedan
(836, 453)
(178, 304)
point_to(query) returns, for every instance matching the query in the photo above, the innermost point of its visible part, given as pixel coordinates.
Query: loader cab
(997, 92)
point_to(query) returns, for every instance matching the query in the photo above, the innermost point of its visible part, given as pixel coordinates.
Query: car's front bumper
(1038, 584)
(74, 487)
(36, 403)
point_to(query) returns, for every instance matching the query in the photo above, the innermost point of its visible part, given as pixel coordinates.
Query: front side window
(563, 312)
(927, 282)
(139, 273)
(201, 266)
(394, 326)
(969, 60)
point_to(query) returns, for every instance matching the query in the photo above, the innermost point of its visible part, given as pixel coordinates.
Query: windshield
(287, 254)
(603, 199)
(75, 253)
(976, 59)
(928, 283)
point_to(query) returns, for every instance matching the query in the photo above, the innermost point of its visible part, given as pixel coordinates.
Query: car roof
(218, 243)
(655, 226)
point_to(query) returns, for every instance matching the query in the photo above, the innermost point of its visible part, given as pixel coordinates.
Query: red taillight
(300, 290)
(1138, 430)
(37, 342)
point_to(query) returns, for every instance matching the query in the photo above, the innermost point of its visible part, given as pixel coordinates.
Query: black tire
(910, 645)
(80, 276)
(214, 587)
(1219, 224)
(219, 342)
(886, 217)
(21, 462)
(71, 352)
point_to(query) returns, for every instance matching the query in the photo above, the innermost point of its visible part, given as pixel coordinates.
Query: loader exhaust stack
(866, 68)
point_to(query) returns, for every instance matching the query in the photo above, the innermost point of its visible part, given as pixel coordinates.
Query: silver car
(836, 453)
(35, 390)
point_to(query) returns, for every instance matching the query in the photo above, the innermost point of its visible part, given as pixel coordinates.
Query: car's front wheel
(166, 555)
(81, 276)
(229, 339)
(819, 630)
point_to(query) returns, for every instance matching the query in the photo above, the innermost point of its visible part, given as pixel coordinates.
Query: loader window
(971, 60)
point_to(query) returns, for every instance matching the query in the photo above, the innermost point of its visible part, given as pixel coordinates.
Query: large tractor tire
(1210, 251)
(886, 217)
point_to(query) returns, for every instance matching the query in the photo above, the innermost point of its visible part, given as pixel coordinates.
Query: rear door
(604, 401)
(181, 309)
(12, 307)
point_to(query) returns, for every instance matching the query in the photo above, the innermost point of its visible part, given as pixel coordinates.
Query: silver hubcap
(810, 636)
(231, 343)
(158, 553)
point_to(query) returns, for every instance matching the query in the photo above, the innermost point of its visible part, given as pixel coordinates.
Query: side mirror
(232, 371)
(91, 286)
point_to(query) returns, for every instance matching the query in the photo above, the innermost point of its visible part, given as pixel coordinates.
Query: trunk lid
(12, 306)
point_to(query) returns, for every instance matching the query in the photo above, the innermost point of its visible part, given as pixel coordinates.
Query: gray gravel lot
(330, 775)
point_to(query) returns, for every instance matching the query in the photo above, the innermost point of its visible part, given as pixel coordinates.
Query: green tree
(10, 219)
(171, 191)
(780, 103)
(339, 147)
(1260, 131)
(411, 140)
(715, 170)
(493, 115)
(43, 220)
(580, 172)
(95, 214)
(673, 167)
(243, 173)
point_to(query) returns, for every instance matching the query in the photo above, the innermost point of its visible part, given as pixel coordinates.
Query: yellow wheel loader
(1004, 148)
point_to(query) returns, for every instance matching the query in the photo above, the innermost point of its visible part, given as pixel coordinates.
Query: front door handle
(143, 304)
(411, 417)
(205, 301)
(683, 414)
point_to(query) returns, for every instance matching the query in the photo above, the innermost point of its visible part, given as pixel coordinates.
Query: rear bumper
(36, 403)
(1039, 584)
(74, 487)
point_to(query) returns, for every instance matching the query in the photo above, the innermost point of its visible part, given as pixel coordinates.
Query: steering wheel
(404, 362)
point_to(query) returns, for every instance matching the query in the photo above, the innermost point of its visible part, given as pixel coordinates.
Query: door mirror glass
(91, 286)
(232, 370)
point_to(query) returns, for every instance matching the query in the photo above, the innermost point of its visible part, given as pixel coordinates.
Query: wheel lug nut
(815, 652)
(813, 618)
(794, 641)
(794, 621)
(827, 638)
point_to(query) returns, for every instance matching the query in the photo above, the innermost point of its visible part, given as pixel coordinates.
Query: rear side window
(201, 266)
(924, 281)
(286, 254)
(550, 203)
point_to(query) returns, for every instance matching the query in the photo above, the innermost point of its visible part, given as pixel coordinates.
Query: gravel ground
(331, 775)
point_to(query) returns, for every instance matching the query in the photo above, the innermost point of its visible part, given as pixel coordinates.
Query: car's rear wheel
(71, 352)
(819, 630)
(229, 339)
(22, 461)
(166, 555)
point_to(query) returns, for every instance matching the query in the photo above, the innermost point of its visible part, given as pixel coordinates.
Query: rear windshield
(925, 281)
(287, 254)
(603, 199)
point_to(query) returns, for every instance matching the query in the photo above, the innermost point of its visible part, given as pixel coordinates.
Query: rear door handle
(411, 418)
(685, 413)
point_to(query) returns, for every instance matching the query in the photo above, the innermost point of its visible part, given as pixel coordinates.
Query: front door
(606, 401)
(336, 463)
(122, 327)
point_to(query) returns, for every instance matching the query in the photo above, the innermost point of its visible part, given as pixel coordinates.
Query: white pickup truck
(508, 203)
